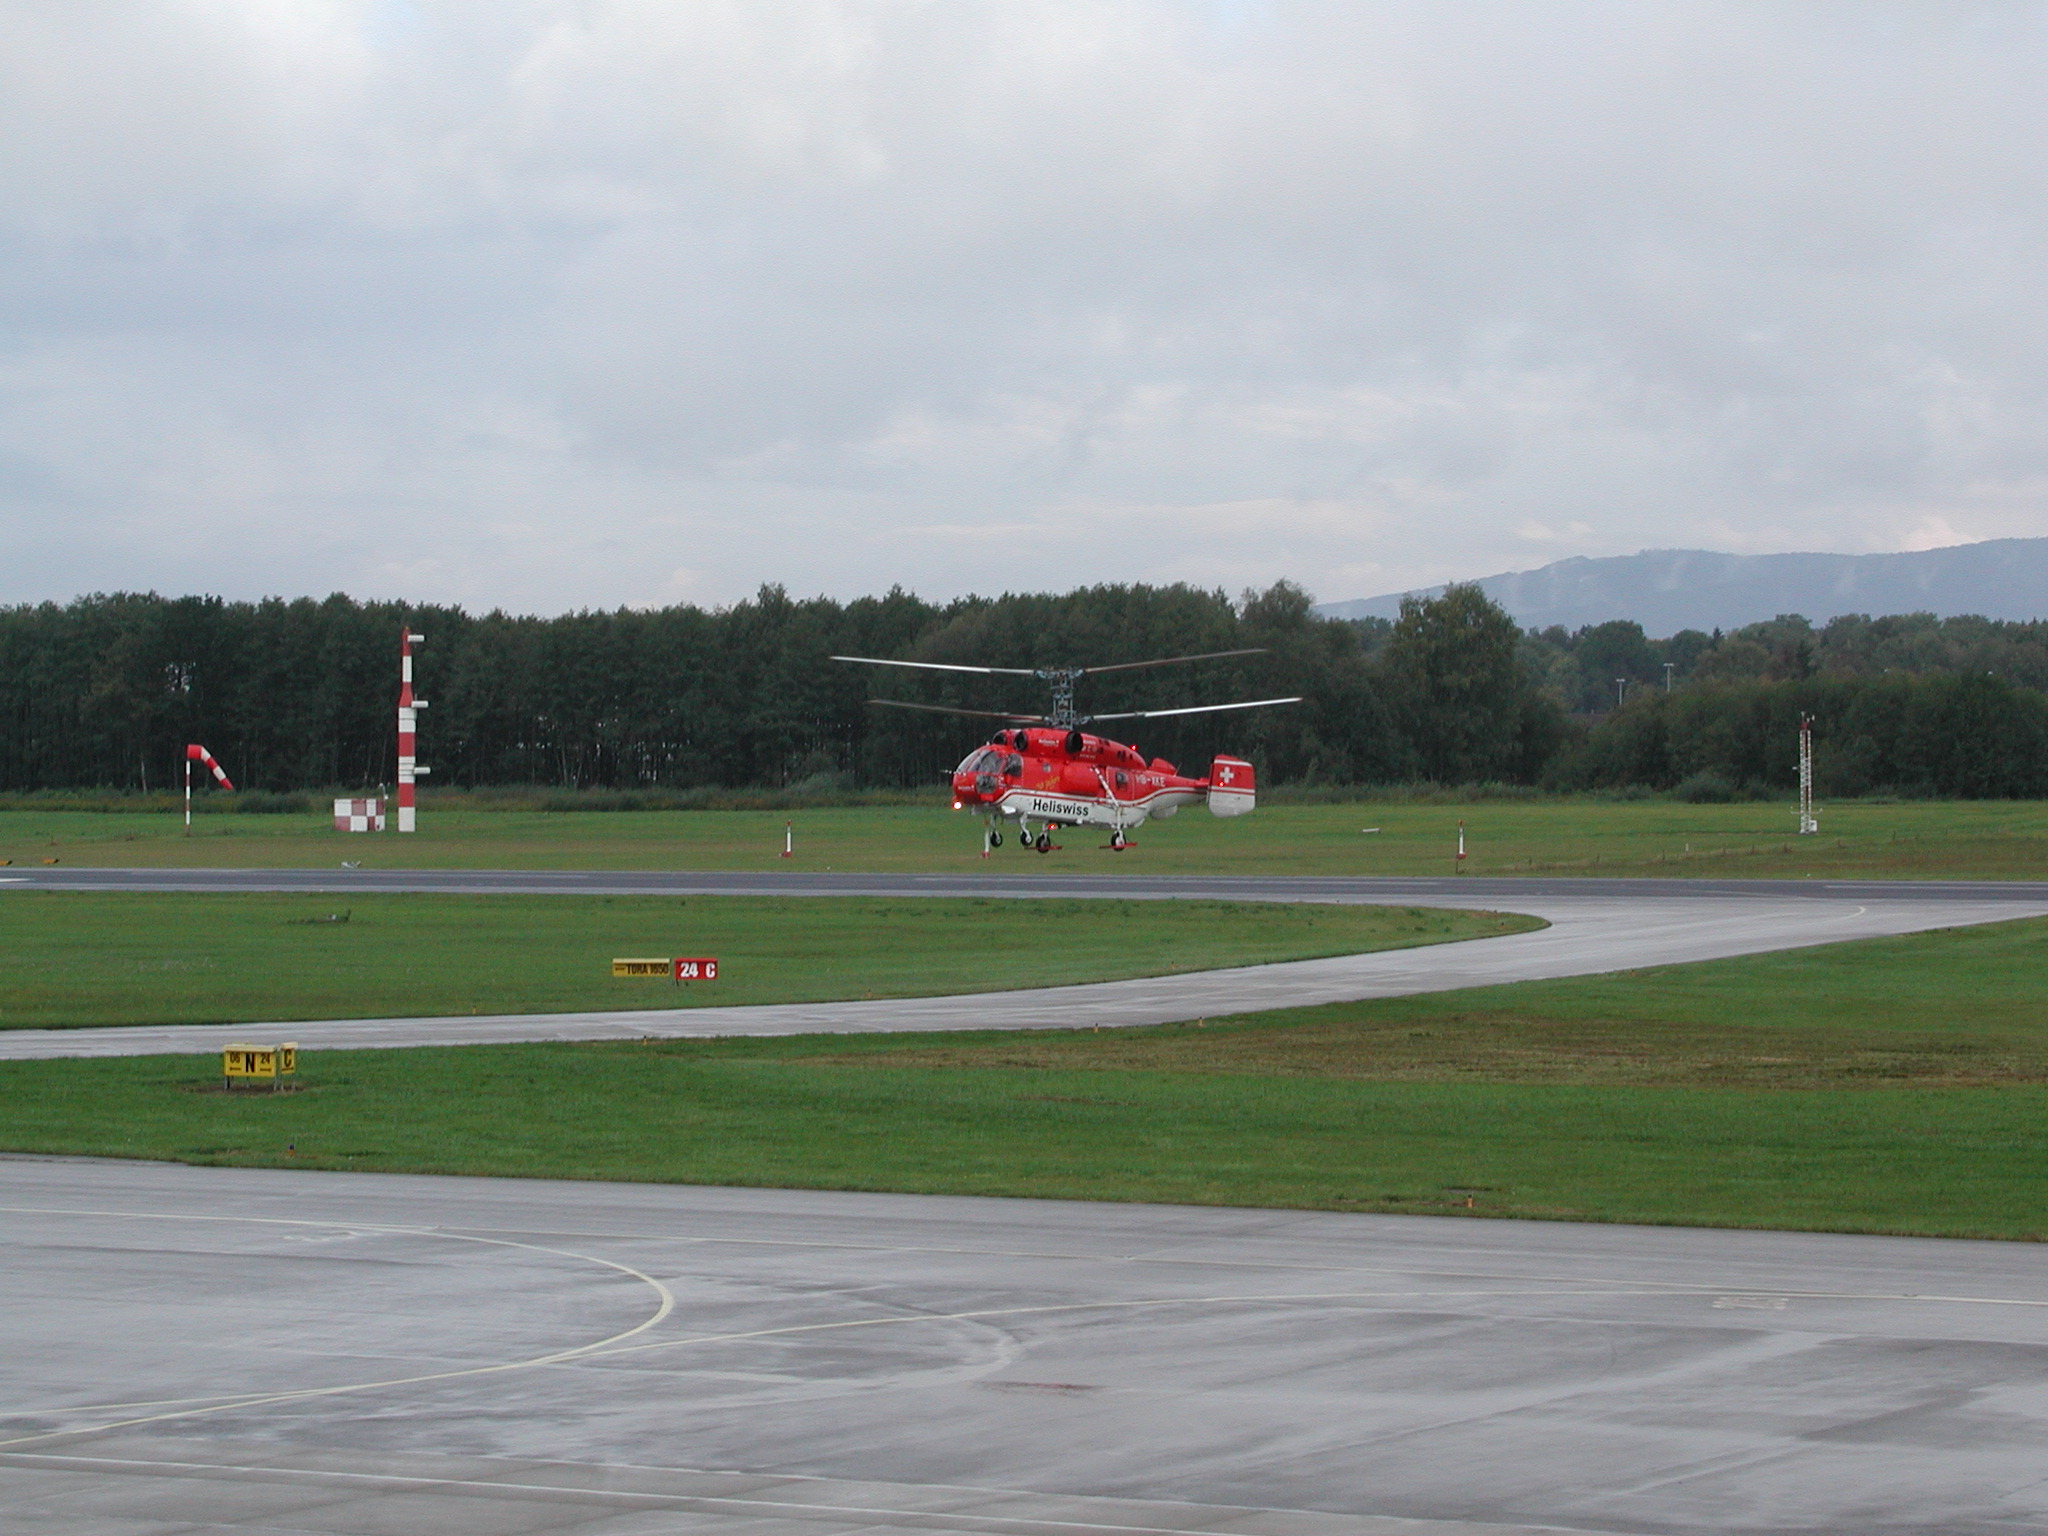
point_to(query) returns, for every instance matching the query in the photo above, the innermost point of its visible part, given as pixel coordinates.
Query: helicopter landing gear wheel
(995, 839)
(1116, 840)
(1044, 843)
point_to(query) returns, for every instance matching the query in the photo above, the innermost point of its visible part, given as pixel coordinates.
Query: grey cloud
(549, 303)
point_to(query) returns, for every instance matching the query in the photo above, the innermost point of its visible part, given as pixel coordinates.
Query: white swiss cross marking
(1228, 775)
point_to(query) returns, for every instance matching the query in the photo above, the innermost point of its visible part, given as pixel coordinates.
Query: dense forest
(1907, 704)
(298, 695)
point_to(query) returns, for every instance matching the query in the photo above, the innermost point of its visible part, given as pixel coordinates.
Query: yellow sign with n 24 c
(259, 1061)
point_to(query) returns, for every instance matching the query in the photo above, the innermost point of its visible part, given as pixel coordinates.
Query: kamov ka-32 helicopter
(1045, 768)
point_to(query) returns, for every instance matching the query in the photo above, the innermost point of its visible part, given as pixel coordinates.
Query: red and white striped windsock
(198, 754)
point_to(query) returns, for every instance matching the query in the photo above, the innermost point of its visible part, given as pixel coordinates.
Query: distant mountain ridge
(1666, 590)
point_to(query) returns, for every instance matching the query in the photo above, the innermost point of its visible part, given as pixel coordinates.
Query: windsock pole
(195, 753)
(789, 839)
(408, 723)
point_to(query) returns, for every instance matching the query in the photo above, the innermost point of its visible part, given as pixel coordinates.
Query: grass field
(1896, 1085)
(75, 958)
(1907, 840)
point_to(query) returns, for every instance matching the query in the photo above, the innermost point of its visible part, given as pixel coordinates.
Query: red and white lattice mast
(408, 724)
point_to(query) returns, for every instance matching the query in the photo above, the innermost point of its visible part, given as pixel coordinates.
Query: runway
(243, 1350)
(1595, 926)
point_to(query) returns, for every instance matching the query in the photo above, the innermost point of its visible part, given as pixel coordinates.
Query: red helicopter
(1046, 768)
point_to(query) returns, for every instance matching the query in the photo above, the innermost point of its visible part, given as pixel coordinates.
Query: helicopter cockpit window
(991, 760)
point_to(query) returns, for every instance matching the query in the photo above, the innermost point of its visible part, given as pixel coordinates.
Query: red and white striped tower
(408, 723)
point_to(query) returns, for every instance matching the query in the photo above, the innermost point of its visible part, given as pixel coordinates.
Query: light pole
(1807, 823)
(1667, 675)
(1620, 688)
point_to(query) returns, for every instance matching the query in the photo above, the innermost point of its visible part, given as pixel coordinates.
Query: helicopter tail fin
(1232, 788)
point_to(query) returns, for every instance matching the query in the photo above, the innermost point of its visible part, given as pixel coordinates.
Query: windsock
(199, 754)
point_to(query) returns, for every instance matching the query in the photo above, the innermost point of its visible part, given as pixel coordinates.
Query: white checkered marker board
(359, 815)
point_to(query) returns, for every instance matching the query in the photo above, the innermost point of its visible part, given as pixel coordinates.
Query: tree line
(297, 695)
(1948, 736)
(1907, 704)
(104, 692)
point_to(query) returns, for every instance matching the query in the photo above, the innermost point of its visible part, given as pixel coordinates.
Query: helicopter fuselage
(1073, 778)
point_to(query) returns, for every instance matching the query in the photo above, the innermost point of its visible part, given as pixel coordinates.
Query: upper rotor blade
(943, 709)
(1167, 661)
(935, 666)
(1196, 709)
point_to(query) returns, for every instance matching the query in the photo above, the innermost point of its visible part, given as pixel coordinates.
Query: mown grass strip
(1945, 1162)
(1556, 836)
(76, 959)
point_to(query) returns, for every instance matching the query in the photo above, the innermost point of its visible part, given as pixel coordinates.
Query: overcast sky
(555, 303)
